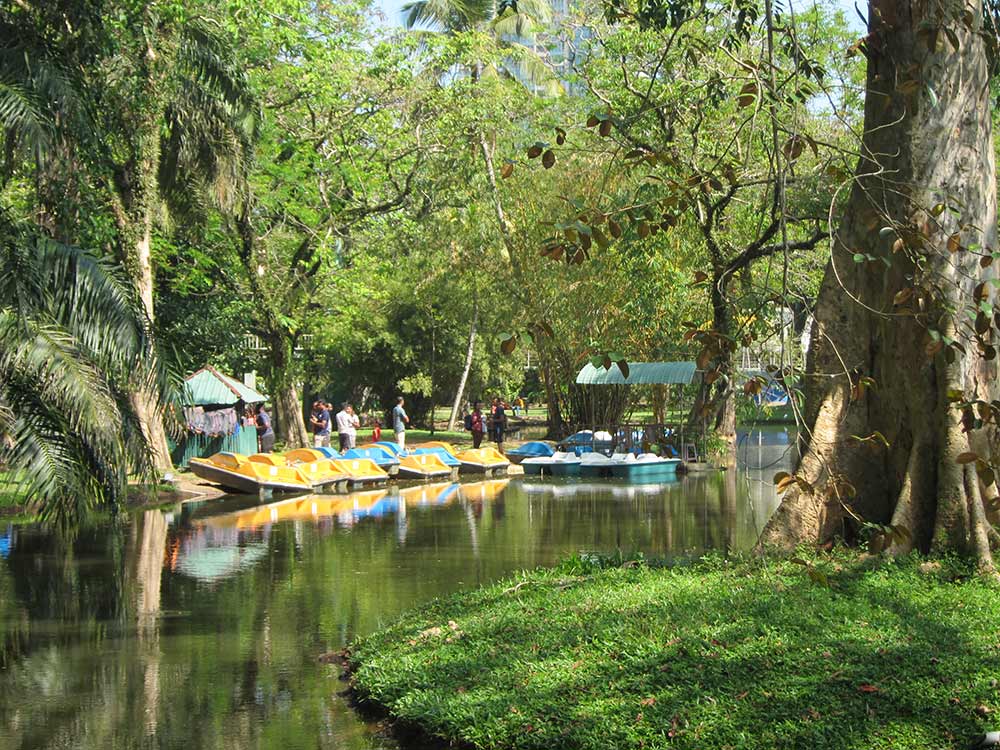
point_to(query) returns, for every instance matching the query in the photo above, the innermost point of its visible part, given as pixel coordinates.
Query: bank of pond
(836, 651)
(199, 624)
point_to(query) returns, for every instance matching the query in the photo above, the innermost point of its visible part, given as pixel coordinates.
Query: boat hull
(652, 471)
(249, 484)
(565, 469)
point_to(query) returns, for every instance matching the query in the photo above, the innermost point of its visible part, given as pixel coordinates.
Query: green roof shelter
(640, 373)
(213, 416)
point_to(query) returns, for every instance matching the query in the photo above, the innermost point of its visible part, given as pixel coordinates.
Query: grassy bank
(842, 654)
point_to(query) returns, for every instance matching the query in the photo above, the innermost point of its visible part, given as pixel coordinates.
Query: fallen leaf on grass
(742, 695)
(648, 701)
(864, 687)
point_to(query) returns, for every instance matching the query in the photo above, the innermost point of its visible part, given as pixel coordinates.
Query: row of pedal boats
(313, 469)
(642, 467)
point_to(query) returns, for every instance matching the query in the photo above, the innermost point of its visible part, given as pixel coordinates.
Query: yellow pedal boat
(482, 461)
(238, 473)
(423, 466)
(360, 470)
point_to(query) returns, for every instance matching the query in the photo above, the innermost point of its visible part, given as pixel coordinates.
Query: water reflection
(199, 627)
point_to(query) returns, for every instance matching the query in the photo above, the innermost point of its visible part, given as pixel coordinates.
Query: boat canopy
(640, 373)
(209, 387)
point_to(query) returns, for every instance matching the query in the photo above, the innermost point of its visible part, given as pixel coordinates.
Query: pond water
(200, 626)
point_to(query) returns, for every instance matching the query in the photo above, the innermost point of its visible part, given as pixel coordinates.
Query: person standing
(477, 426)
(499, 422)
(265, 433)
(320, 421)
(355, 423)
(344, 426)
(376, 431)
(399, 422)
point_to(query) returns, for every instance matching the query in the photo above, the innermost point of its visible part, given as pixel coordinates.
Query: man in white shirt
(347, 427)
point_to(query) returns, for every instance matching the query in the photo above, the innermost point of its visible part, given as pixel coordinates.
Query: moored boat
(423, 466)
(446, 458)
(323, 474)
(361, 471)
(438, 444)
(238, 473)
(388, 464)
(647, 467)
(599, 465)
(481, 461)
(566, 463)
(534, 449)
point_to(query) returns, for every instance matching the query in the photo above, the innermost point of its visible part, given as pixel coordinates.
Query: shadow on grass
(697, 658)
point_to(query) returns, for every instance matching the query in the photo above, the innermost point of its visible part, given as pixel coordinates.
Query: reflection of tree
(152, 544)
(238, 669)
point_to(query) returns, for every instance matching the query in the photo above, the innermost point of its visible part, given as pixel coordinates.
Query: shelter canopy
(208, 386)
(640, 373)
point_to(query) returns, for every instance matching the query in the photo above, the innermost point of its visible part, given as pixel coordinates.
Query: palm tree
(154, 114)
(74, 342)
(507, 21)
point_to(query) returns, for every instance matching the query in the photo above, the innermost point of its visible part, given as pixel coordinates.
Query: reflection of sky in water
(200, 628)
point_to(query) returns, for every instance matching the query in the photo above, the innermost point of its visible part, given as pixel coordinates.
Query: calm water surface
(199, 627)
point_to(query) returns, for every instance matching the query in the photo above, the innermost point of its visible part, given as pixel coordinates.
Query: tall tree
(901, 404)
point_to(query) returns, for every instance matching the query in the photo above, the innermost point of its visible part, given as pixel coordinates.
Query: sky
(391, 10)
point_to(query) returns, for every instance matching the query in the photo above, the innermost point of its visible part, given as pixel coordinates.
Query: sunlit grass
(714, 655)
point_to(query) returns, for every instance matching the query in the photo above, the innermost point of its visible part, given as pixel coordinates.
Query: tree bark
(714, 409)
(468, 366)
(553, 412)
(920, 217)
(289, 421)
(143, 401)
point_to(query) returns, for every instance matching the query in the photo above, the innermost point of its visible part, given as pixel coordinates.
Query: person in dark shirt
(477, 425)
(499, 422)
(265, 433)
(320, 421)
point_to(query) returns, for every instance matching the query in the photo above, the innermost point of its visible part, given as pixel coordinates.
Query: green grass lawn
(712, 655)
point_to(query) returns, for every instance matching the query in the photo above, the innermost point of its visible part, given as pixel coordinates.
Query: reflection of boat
(481, 461)
(534, 449)
(424, 466)
(429, 494)
(599, 465)
(239, 474)
(646, 468)
(378, 456)
(560, 464)
(355, 505)
(361, 471)
(487, 490)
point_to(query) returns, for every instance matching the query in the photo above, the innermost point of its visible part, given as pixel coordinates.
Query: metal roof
(209, 386)
(664, 373)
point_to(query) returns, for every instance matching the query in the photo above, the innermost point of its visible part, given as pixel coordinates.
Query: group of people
(345, 420)
(495, 423)
(347, 424)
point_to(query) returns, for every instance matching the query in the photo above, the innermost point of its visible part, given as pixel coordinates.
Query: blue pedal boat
(388, 464)
(646, 468)
(534, 449)
(446, 458)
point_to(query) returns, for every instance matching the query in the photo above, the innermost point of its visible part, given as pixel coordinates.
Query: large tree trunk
(143, 402)
(468, 366)
(925, 184)
(289, 422)
(714, 408)
(553, 412)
